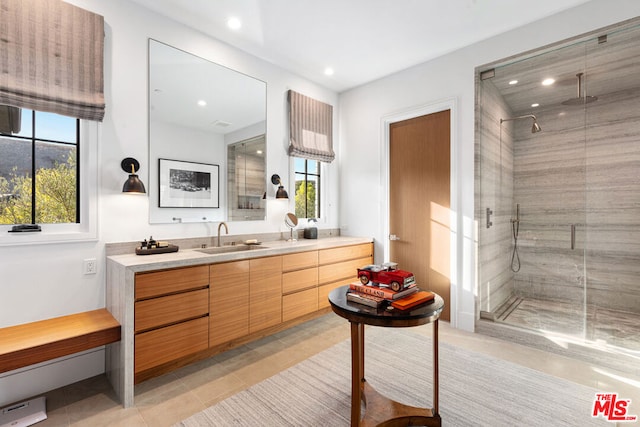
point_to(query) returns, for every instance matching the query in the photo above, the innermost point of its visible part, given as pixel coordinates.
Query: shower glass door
(558, 205)
(613, 189)
(532, 168)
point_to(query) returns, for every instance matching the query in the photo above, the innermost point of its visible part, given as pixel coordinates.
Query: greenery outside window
(39, 177)
(67, 204)
(308, 188)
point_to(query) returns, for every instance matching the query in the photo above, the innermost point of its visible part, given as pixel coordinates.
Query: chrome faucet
(226, 229)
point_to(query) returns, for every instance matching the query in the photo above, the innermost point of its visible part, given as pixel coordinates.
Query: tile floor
(592, 323)
(166, 400)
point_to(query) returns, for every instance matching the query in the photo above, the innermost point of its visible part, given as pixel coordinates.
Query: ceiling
(607, 60)
(361, 40)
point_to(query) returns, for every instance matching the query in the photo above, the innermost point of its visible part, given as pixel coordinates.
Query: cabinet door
(346, 270)
(156, 283)
(265, 292)
(299, 303)
(228, 301)
(298, 261)
(294, 281)
(330, 256)
(170, 309)
(163, 345)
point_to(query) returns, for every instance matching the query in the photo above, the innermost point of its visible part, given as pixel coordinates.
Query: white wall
(362, 111)
(39, 282)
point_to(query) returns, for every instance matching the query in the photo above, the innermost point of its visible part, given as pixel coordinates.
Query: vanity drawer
(163, 345)
(324, 290)
(329, 256)
(299, 304)
(156, 312)
(149, 285)
(341, 270)
(300, 260)
(301, 279)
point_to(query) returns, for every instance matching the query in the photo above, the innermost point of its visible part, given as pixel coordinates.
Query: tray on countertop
(153, 251)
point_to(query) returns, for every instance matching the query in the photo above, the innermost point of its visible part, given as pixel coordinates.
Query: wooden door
(419, 201)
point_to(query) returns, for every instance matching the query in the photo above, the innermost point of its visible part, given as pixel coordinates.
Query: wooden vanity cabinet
(229, 301)
(265, 292)
(338, 266)
(171, 316)
(299, 284)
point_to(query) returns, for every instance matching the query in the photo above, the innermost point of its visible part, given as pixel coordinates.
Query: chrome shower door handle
(573, 236)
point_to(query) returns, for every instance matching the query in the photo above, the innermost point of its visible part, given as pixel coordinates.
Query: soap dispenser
(311, 231)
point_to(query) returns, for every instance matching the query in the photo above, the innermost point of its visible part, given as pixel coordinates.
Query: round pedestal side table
(379, 410)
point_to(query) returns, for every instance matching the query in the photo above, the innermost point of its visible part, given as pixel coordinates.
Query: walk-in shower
(560, 254)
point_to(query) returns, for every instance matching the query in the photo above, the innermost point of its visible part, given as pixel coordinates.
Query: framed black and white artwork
(188, 184)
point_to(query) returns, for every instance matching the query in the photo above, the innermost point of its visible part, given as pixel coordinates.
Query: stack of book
(374, 296)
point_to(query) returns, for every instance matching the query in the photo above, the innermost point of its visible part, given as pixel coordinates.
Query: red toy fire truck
(386, 274)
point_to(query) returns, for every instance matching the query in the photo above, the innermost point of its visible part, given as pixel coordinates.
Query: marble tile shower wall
(494, 190)
(583, 169)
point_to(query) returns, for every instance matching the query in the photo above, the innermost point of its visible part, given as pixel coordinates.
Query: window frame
(87, 227)
(321, 185)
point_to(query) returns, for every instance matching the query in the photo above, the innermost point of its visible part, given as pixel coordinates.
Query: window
(39, 170)
(307, 179)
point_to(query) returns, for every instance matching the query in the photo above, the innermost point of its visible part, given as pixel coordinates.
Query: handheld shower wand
(515, 230)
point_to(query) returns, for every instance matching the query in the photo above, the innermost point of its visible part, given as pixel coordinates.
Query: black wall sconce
(133, 184)
(281, 193)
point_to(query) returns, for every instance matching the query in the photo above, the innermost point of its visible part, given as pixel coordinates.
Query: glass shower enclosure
(557, 197)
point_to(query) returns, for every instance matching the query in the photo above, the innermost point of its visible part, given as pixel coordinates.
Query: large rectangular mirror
(202, 114)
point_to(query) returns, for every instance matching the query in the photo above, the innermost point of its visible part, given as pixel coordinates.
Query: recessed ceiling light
(202, 103)
(535, 105)
(548, 82)
(513, 82)
(259, 152)
(234, 23)
(328, 71)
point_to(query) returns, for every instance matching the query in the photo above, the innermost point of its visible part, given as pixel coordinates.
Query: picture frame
(184, 184)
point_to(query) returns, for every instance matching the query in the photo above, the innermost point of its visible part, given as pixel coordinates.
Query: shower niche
(557, 156)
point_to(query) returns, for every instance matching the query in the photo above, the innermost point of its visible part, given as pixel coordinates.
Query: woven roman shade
(51, 58)
(310, 128)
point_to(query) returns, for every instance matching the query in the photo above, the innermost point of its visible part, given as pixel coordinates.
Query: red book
(413, 300)
(382, 292)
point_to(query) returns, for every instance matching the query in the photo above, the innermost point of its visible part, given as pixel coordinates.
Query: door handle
(573, 236)
(393, 237)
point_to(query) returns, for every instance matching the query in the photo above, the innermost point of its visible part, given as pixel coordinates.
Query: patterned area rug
(475, 389)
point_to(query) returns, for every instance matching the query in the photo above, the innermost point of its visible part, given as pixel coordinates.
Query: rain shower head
(535, 128)
(579, 100)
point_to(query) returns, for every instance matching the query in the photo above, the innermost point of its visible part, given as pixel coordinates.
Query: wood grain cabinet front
(299, 284)
(171, 313)
(265, 292)
(184, 314)
(338, 266)
(229, 301)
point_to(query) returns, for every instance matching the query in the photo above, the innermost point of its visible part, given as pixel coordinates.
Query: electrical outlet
(90, 266)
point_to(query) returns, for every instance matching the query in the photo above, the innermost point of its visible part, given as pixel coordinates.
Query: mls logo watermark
(611, 408)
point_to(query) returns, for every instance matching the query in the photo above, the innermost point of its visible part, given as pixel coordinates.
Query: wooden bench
(35, 342)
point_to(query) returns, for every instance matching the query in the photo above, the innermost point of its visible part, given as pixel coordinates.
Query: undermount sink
(230, 248)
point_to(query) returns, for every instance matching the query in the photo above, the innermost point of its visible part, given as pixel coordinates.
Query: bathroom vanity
(185, 306)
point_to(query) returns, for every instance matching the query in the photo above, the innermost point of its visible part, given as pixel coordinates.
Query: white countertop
(189, 257)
